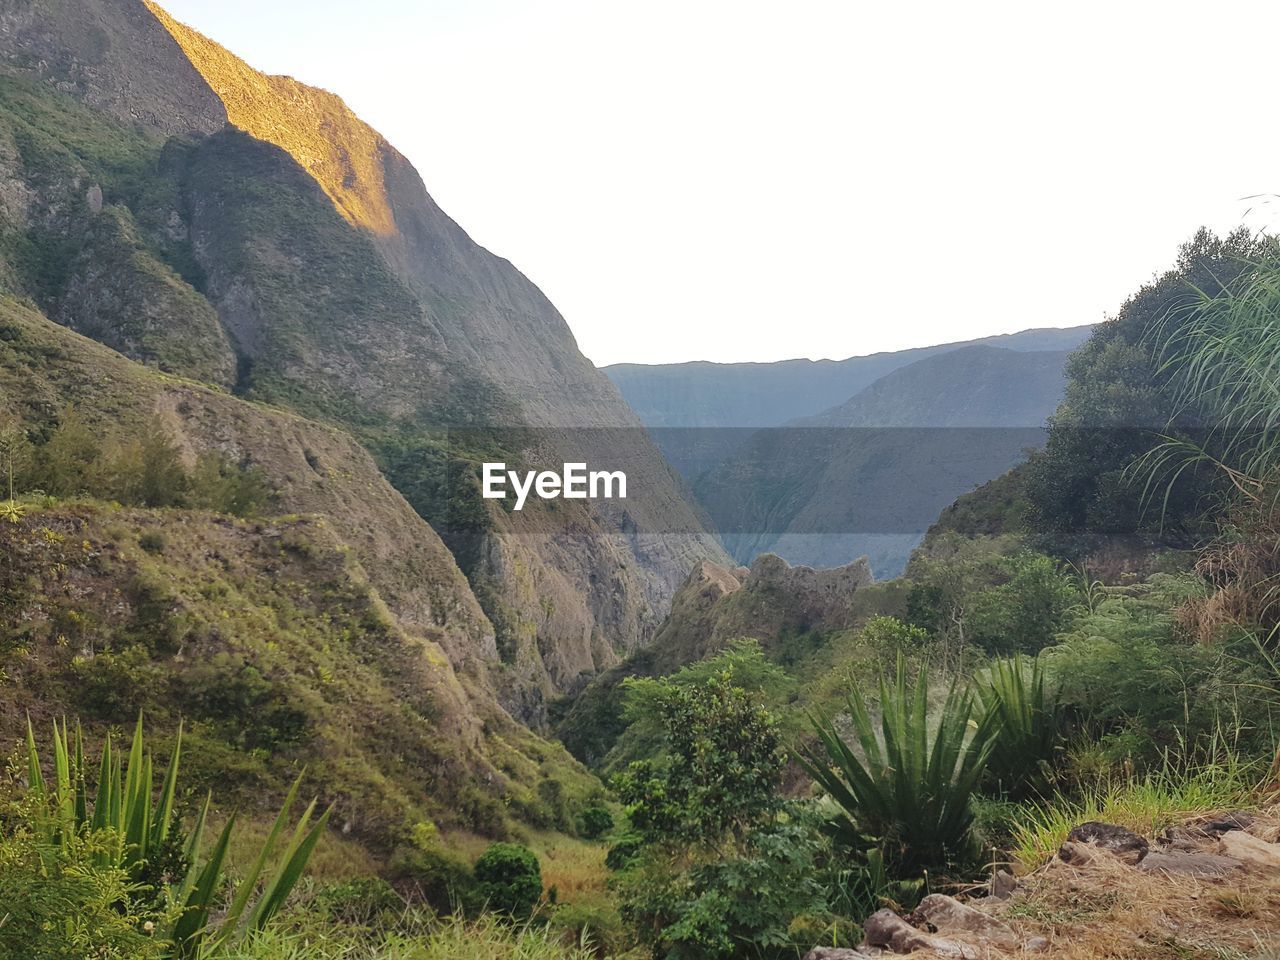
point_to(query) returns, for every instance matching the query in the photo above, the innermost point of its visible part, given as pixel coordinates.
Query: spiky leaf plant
(1016, 695)
(906, 783)
(139, 824)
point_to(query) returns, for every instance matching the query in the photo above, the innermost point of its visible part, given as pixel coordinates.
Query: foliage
(144, 842)
(1139, 690)
(724, 767)
(906, 787)
(596, 822)
(509, 878)
(1218, 353)
(1118, 402)
(144, 470)
(68, 900)
(741, 905)
(1024, 613)
(1029, 724)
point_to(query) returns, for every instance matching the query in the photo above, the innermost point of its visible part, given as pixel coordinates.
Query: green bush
(69, 901)
(509, 879)
(596, 822)
(439, 877)
(362, 901)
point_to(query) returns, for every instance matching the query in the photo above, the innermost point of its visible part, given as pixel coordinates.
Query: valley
(347, 610)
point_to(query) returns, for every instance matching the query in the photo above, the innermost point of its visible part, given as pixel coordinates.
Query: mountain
(702, 394)
(870, 476)
(250, 233)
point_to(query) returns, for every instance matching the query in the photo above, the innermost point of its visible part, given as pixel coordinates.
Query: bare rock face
(1083, 840)
(114, 56)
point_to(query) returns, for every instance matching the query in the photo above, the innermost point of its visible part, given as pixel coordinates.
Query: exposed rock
(1119, 842)
(1036, 945)
(1189, 863)
(1251, 849)
(950, 917)
(884, 928)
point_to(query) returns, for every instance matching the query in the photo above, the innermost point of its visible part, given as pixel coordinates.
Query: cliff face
(275, 245)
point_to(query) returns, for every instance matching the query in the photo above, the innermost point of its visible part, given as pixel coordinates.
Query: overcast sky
(732, 180)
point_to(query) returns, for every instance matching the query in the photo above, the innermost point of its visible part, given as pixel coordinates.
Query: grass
(446, 939)
(1144, 804)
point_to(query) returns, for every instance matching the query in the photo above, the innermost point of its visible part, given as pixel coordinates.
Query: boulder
(949, 917)
(1250, 849)
(1121, 843)
(884, 928)
(1188, 863)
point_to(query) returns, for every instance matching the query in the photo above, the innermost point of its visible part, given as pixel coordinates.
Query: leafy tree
(509, 879)
(65, 464)
(596, 822)
(1118, 402)
(1025, 613)
(724, 767)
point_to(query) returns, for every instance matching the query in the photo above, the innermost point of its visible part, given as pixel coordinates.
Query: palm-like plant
(906, 784)
(1017, 697)
(140, 825)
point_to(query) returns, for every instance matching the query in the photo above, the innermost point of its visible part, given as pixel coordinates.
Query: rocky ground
(1206, 888)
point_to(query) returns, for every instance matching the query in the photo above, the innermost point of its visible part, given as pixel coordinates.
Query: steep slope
(293, 256)
(340, 620)
(870, 476)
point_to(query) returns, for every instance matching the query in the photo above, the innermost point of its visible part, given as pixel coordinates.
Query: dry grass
(1108, 909)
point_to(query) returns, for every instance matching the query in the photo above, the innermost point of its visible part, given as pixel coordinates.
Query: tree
(725, 764)
(1118, 401)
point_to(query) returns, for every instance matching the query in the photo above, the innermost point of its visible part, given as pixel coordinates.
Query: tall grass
(1145, 804)
(1221, 358)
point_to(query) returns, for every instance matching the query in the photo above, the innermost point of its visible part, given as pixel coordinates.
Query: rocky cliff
(251, 233)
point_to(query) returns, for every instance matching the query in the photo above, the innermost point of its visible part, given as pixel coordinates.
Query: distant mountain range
(863, 476)
(704, 394)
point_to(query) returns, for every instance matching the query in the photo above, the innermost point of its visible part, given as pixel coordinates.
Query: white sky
(735, 180)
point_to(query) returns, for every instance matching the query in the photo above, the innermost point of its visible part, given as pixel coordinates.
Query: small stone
(1036, 945)
(1003, 883)
(1121, 843)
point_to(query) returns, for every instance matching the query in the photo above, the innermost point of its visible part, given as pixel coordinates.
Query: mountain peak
(343, 153)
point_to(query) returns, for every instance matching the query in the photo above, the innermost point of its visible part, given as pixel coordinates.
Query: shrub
(509, 878)
(909, 792)
(361, 901)
(440, 877)
(596, 822)
(135, 829)
(153, 541)
(724, 769)
(68, 901)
